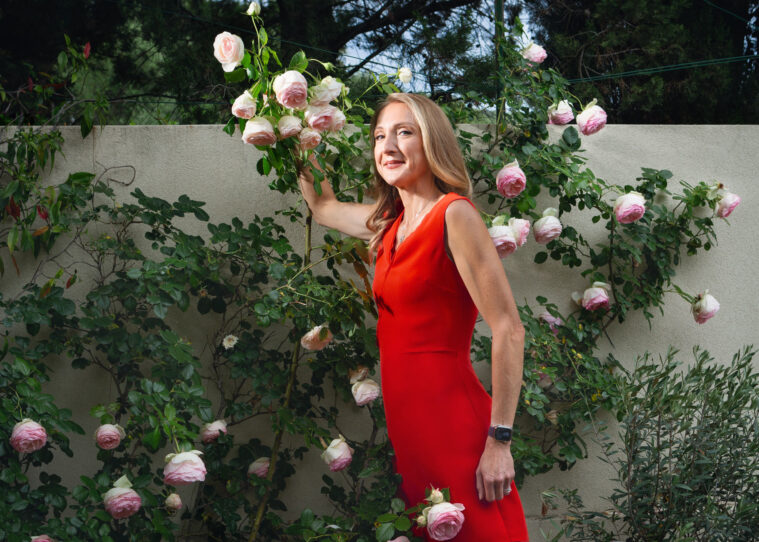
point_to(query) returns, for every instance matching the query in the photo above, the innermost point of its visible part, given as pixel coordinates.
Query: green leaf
(385, 532)
(236, 76)
(152, 439)
(263, 37)
(540, 257)
(403, 523)
(299, 62)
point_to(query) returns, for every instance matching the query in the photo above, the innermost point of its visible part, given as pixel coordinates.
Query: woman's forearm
(507, 366)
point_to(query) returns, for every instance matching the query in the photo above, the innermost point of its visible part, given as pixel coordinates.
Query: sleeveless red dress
(437, 411)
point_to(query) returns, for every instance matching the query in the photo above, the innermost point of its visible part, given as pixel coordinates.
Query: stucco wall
(208, 165)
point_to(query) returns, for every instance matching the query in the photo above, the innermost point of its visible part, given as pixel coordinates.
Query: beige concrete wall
(208, 165)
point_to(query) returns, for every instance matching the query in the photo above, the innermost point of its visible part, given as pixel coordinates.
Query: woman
(435, 268)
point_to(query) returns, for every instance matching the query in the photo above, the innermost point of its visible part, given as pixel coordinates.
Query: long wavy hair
(441, 150)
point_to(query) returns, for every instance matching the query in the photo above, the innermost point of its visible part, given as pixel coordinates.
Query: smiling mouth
(393, 163)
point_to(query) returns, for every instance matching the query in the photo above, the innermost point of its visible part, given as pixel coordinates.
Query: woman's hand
(495, 471)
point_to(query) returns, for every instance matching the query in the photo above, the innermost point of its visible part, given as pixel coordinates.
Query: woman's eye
(377, 137)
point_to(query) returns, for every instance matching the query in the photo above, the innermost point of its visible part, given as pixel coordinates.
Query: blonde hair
(441, 150)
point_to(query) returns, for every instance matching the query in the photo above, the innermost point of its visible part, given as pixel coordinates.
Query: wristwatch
(502, 433)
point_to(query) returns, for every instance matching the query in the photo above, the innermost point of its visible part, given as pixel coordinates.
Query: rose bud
(229, 342)
(534, 53)
(727, 203)
(358, 374)
(444, 520)
(244, 106)
(704, 307)
(109, 436)
(291, 89)
(42, 538)
(259, 467)
(259, 131)
(548, 227)
(184, 468)
(511, 180)
(28, 436)
(596, 297)
(229, 50)
(629, 207)
(577, 298)
(309, 138)
(326, 91)
(173, 502)
(44, 214)
(405, 75)
(436, 496)
(591, 119)
(317, 338)
(421, 519)
(121, 501)
(365, 391)
(253, 9)
(560, 113)
(521, 229)
(210, 431)
(551, 320)
(338, 454)
(289, 126)
(504, 240)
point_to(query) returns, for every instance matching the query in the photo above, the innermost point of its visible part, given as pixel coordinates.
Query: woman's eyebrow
(397, 125)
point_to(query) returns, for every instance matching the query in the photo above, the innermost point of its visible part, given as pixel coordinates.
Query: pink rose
(289, 126)
(43, 537)
(229, 50)
(338, 122)
(338, 454)
(444, 520)
(28, 436)
(326, 91)
(510, 180)
(322, 117)
(357, 374)
(259, 131)
(291, 89)
(210, 431)
(174, 502)
(596, 297)
(548, 227)
(184, 468)
(365, 391)
(534, 53)
(551, 320)
(560, 113)
(504, 239)
(591, 119)
(317, 338)
(629, 207)
(704, 307)
(309, 138)
(244, 106)
(727, 203)
(259, 467)
(399, 539)
(109, 436)
(122, 502)
(521, 229)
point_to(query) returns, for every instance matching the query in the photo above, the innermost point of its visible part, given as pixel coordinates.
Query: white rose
(254, 8)
(405, 75)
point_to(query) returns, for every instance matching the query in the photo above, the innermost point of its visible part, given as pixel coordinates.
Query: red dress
(437, 411)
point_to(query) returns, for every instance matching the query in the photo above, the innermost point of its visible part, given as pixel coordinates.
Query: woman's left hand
(495, 471)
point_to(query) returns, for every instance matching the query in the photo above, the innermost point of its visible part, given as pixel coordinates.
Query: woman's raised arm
(349, 218)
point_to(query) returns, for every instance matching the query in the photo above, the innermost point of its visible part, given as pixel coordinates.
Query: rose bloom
(629, 207)
(444, 520)
(534, 53)
(174, 502)
(338, 122)
(184, 468)
(727, 203)
(704, 307)
(317, 338)
(109, 436)
(548, 227)
(321, 117)
(504, 239)
(551, 320)
(291, 89)
(399, 539)
(210, 431)
(591, 119)
(560, 113)
(289, 126)
(229, 342)
(521, 229)
(365, 391)
(42, 538)
(254, 8)
(358, 374)
(511, 180)
(326, 91)
(596, 297)
(259, 131)
(309, 138)
(28, 436)
(229, 50)
(338, 454)
(122, 502)
(244, 106)
(259, 467)
(405, 75)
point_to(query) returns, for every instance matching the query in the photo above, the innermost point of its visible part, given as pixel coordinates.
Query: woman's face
(398, 152)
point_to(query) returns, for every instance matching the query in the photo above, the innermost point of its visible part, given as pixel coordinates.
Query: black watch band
(502, 433)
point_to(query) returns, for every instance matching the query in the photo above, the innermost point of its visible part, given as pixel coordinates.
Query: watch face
(502, 433)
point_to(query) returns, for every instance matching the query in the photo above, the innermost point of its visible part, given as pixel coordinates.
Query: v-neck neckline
(394, 233)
